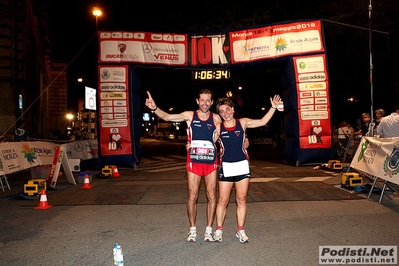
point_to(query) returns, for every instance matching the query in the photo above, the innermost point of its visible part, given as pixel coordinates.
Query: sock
(219, 227)
(241, 227)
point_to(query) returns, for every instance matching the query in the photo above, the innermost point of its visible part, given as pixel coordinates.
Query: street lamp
(97, 12)
(69, 117)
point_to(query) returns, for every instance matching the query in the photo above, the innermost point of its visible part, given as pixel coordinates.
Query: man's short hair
(205, 91)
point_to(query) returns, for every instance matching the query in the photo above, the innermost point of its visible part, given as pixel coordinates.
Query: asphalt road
(292, 211)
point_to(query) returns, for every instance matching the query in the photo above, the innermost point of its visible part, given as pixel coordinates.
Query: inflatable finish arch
(307, 123)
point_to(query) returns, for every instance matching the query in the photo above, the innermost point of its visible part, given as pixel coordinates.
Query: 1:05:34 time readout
(211, 74)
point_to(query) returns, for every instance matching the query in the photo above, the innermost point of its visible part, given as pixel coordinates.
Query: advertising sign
(90, 98)
(115, 135)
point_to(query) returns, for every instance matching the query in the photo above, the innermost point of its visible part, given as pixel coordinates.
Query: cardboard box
(82, 176)
(74, 164)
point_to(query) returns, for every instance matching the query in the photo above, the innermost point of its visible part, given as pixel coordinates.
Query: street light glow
(97, 12)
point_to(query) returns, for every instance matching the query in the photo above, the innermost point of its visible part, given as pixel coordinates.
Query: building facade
(33, 87)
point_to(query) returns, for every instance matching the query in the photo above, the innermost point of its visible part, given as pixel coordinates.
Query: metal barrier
(344, 147)
(4, 178)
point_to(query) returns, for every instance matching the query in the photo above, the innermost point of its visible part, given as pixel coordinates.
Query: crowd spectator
(389, 125)
(363, 124)
(20, 133)
(345, 132)
(379, 114)
(85, 134)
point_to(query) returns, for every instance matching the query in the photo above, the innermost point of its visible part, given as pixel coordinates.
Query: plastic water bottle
(118, 255)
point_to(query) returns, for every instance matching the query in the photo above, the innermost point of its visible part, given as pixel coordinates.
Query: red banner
(276, 41)
(114, 111)
(222, 49)
(313, 101)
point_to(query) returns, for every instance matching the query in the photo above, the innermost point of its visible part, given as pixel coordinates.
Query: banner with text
(18, 156)
(378, 157)
(235, 47)
(114, 111)
(313, 101)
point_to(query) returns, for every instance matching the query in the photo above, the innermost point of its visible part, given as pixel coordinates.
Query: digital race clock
(210, 74)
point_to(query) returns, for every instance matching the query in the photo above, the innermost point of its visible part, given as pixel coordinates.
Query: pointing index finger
(149, 95)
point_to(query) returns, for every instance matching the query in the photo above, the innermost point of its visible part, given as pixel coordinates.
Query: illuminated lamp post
(97, 12)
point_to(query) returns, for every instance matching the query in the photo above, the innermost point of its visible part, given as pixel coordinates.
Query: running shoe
(192, 235)
(242, 236)
(217, 236)
(208, 234)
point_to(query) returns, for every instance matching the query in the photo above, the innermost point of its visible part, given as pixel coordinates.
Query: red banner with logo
(143, 48)
(313, 101)
(235, 47)
(114, 111)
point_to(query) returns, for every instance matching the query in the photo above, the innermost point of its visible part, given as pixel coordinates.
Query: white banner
(18, 156)
(81, 149)
(378, 157)
(143, 47)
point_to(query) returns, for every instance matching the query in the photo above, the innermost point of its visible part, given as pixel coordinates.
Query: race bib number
(201, 150)
(236, 168)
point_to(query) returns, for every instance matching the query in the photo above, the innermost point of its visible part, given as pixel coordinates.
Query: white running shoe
(217, 236)
(208, 234)
(242, 236)
(192, 235)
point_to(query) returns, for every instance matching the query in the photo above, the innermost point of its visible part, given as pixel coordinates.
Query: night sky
(346, 24)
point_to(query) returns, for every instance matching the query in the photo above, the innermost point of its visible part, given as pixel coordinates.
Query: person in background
(379, 114)
(345, 132)
(351, 129)
(345, 129)
(363, 124)
(389, 125)
(20, 133)
(234, 163)
(85, 134)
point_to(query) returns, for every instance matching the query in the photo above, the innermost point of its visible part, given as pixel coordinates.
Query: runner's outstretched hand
(149, 102)
(275, 101)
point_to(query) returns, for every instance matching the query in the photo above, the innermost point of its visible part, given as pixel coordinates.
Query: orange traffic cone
(86, 184)
(115, 172)
(43, 204)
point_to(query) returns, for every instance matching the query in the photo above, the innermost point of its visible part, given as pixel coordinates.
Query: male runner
(202, 158)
